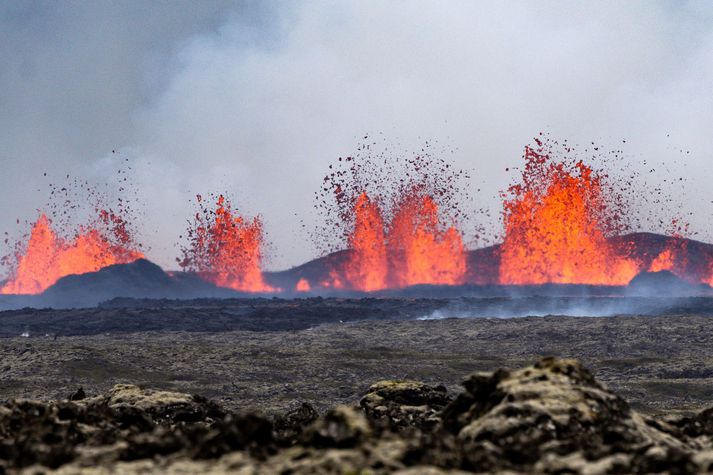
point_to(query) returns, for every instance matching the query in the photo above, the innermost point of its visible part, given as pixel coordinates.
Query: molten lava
(420, 251)
(367, 265)
(555, 228)
(415, 250)
(303, 285)
(333, 282)
(666, 260)
(226, 249)
(48, 257)
(674, 257)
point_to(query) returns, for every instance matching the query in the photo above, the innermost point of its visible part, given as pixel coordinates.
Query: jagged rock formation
(400, 405)
(553, 417)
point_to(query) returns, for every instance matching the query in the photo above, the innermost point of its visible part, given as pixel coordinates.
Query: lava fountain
(47, 257)
(398, 215)
(414, 249)
(226, 249)
(421, 250)
(366, 268)
(556, 225)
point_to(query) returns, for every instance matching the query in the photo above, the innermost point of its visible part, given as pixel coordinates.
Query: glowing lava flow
(674, 257)
(48, 257)
(555, 228)
(420, 252)
(415, 250)
(227, 250)
(303, 285)
(664, 261)
(681, 257)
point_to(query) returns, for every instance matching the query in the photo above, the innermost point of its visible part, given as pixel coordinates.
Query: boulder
(551, 417)
(400, 405)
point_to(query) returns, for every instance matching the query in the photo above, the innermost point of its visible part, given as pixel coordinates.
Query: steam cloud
(257, 99)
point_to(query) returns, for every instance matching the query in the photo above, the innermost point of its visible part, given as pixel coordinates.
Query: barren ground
(659, 364)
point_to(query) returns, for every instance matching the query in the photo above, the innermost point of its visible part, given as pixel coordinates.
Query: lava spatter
(557, 220)
(303, 285)
(225, 248)
(47, 257)
(421, 250)
(366, 268)
(398, 215)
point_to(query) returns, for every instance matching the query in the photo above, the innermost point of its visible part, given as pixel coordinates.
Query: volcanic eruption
(421, 249)
(399, 223)
(388, 208)
(366, 268)
(685, 258)
(566, 222)
(225, 248)
(557, 221)
(47, 256)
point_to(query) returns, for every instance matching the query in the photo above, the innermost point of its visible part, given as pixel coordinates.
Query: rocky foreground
(553, 417)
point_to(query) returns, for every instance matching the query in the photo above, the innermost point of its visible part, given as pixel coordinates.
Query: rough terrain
(346, 386)
(552, 417)
(657, 363)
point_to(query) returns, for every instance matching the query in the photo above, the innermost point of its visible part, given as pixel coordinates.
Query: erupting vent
(413, 249)
(48, 257)
(225, 249)
(367, 266)
(401, 221)
(557, 221)
(389, 209)
(421, 250)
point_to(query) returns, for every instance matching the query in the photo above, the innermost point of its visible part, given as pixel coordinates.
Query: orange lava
(48, 257)
(367, 265)
(664, 261)
(303, 285)
(675, 258)
(555, 230)
(415, 249)
(333, 282)
(420, 251)
(227, 250)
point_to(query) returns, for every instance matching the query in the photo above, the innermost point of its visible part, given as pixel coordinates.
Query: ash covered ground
(358, 386)
(273, 354)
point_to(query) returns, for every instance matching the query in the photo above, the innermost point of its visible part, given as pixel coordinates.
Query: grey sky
(258, 98)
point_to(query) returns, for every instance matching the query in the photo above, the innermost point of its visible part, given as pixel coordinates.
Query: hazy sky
(257, 98)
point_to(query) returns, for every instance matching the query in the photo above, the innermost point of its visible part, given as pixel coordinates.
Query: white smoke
(257, 101)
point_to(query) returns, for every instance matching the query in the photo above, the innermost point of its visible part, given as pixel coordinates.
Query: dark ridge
(139, 279)
(654, 284)
(484, 263)
(206, 315)
(316, 270)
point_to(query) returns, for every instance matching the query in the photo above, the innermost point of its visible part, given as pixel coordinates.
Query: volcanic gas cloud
(47, 256)
(225, 249)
